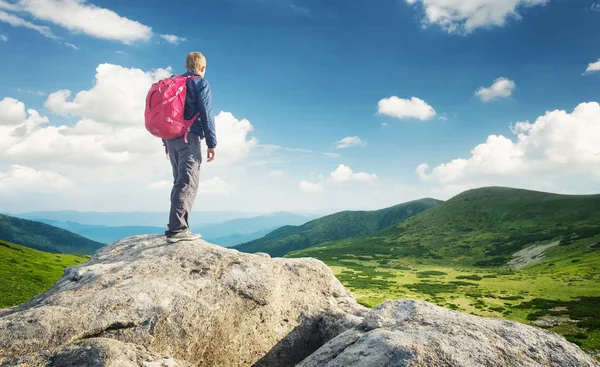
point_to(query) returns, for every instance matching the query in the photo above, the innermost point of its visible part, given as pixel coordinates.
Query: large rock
(143, 302)
(416, 333)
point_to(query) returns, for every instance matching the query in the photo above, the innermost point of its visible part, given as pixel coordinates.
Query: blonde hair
(194, 62)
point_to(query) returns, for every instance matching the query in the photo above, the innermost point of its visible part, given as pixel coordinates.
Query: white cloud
(332, 155)
(29, 91)
(406, 108)
(501, 88)
(12, 111)
(311, 187)
(300, 10)
(557, 146)
(112, 129)
(215, 187)
(276, 173)
(595, 6)
(172, 38)
(343, 173)
(115, 86)
(233, 143)
(79, 16)
(71, 45)
(16, 21)
(3, 37)
(350, 141)
(594, 66)
(8, 6)
(465, 16)
(108, 149)
(384, 124)
(21, 179)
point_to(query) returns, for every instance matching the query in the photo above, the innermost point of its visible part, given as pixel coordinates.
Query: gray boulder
(143, 302)
(416, 333)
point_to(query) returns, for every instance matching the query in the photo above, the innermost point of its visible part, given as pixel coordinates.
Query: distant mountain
(44, 237)
(228, 233)
(482, 227)
(238, 238)
(127, 219)
(346, 224)
(103, 234)
(26, 272)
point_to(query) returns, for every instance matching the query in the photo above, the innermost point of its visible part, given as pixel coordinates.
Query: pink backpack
(165, 104)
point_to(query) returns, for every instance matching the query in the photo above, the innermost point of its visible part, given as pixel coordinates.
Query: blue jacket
(199, 100)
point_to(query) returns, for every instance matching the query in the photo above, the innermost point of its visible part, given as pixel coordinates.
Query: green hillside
(336, 226)
(44, 237)
(482, 227)
(26, 273)
(460, 255)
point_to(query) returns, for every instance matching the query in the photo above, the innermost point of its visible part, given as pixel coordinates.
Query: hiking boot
(182, 236)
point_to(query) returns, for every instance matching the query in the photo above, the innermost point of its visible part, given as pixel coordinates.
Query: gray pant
(185, 160)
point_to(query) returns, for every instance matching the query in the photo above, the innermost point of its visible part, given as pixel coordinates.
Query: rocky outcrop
(143, 302)
(416, 333)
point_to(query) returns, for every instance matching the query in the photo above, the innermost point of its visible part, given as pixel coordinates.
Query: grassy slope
(336, 226)
(44, 237)
(454, 255)
(482, 227)
(26, 272)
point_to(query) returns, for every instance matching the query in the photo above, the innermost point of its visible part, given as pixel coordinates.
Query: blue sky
(397, 79)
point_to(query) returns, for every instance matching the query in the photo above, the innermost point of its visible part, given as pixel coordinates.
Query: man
(186, 157)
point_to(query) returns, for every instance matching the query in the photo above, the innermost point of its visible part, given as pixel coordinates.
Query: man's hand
(211, 154)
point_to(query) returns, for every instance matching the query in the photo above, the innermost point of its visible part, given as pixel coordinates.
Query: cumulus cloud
(592, 67)
(501, 88)
(465, 16)
(557, 144)
(12, 111)
(350, 141)
(406, 108)
(340, 175)
(115, 86)
(343, 173)
(108, 147)
(172, 39)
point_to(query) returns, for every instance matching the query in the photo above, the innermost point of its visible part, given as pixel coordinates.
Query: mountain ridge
(339, 225)
(491, 222)
(44, 237)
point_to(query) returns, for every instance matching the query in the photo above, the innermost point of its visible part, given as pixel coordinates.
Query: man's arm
(206, 113)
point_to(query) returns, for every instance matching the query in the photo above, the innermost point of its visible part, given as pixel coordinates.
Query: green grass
(523, 295)
(26, 272)
(347, 224)
(44, 237)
